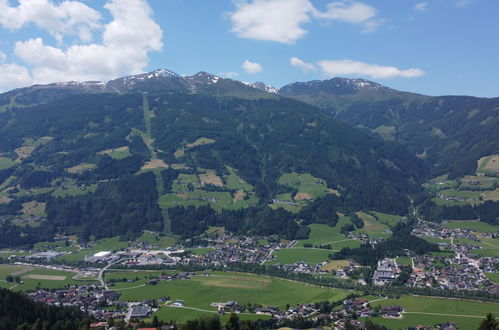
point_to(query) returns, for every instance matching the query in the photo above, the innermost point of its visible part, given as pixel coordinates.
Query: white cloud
(349, 11)
(306, 67)
(126, 43)
(67, 18)
(252, 67)
(421, 7)
(229, 74)
(273, 20)
(13, 75)
(349, 67)
(282, 20)
(3, 57)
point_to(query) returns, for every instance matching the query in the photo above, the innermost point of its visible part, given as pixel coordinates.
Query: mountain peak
(203, 78)
(263, 87)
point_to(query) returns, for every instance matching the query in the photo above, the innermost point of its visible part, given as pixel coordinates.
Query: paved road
(100, 278)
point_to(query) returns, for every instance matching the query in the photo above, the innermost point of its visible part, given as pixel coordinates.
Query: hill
(118, 159)
(449, 132)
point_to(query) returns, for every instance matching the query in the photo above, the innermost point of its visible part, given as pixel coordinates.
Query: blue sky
(434, 47)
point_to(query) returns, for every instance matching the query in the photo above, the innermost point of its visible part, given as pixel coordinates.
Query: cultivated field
(78, 169)
(430, 311)
(325, 235)
(308, 186)
(201, 290)
(116, 153)
(6, 163)
(188, 189)
(489, 164)
(478, 226)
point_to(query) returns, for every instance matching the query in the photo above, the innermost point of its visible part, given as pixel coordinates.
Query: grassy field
(33, 277)
(494, 277)
(187, 189)
(117, 153)
(201, 290)
(372, 226)
(201, 251)
(404, 261)
(162, 241)
(489, 164)
(335, 265)
(6, 163)
(6, 270)
(443, 202)
(310, 255)
(73, 190)
(478, 226)
(474, 311)
(78, 169)
(308, 186)
(168, 313)
(387, 219)
(323, 234)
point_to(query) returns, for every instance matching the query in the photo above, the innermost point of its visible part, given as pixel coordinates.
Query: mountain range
(112, 158)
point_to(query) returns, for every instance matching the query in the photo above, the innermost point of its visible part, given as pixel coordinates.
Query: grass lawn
(308, 186)
(201, 251)
(235, 182)
(6, 270)
(161, 241)
(73, 190)
(309, 255)
(404, 261)
(46, 278)
(372, 226)
(6, 163)
(413, 320)
(388, 219)
(201, 290)
(181, 315)
(414, 304)
(494, 277)
(444, 202)
(321, 234)
(335, 265)
(478, 226)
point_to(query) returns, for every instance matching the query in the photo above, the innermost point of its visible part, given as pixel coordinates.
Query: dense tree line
(17, 311)
(258, 220)
(487, 212)
(122, 207)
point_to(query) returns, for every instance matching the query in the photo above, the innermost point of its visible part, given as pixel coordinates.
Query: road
(100, 278)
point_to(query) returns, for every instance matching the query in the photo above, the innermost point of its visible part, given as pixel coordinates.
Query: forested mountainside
(115, 159)
(450, 133)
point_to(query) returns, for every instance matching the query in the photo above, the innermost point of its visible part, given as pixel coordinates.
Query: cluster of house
(462, 269)
(89, 298)
(227, 307)
(169, 277)
(365, 238)
(457, 273)
(437, 230)
(227, 248)
(455, 198)
(349, 312)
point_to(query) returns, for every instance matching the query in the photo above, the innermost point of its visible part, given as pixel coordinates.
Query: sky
(433, 47)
